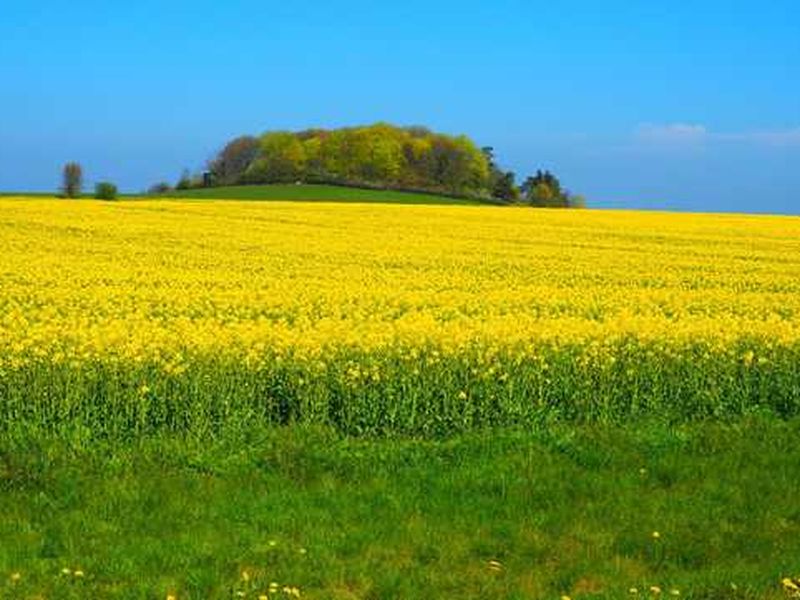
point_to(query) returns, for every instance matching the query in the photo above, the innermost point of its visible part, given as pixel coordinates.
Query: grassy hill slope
(327, 193)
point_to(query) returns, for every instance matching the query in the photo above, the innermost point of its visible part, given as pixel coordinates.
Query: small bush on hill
(105, 190)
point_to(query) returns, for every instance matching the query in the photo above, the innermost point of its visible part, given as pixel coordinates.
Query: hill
(318, 193)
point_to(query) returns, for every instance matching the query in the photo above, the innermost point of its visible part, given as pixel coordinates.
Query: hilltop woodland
(379, 156)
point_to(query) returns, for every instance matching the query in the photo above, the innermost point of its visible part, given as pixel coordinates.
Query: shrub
(105, 190)
(162, 187)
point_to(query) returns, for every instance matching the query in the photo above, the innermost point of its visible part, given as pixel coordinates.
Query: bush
(105, 191)
(159, 188)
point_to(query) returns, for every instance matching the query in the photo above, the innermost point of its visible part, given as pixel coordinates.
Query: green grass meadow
(706, 511)
(312, 192)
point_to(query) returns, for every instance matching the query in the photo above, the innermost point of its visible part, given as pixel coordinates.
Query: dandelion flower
(495, 565)
(654, 589)
(790, 584)
(16, 576)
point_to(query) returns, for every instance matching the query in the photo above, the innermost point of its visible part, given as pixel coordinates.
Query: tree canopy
(380, 155)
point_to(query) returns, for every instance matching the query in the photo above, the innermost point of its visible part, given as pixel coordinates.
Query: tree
(541, 194)
(544, 189)
(281, 159)
(541, 177)
(185, 182)
(503, 186)
(162, 187)
(105, 190)
(230, 164)
(501, 183)
(458, 165)
(72, 180)
(375, 155)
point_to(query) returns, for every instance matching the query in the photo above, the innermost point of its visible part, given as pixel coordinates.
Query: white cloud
(683, 133)
(774, 137)
(672, 133)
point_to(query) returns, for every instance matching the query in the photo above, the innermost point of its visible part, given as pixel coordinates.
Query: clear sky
(689, 105)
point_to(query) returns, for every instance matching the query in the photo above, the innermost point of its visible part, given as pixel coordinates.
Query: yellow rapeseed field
(171, 283)
(139, 278)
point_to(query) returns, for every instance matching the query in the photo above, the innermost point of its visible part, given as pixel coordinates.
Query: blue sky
(633, 103)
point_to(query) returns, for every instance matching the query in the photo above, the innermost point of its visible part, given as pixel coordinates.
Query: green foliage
(185, 181)
(503, 186)
(162, 187)
(189, 181)
(72, 180)
(544, 190)
(379, 155)
(234, 159)
(105, 190)
(552, 511)
(281, 159)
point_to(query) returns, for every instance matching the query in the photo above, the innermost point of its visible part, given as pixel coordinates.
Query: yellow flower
(16, 576)
(495, 565)
(654, 589)
(656, 535)
(78, 573)
(789, 584)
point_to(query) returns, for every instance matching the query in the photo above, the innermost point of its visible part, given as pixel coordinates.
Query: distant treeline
(381, 156)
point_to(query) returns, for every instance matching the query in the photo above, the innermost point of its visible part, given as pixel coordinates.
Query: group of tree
(72, 184)
(542, 189)
(380, 155)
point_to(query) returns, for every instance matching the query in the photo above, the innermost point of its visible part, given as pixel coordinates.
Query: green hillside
(320, 193)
